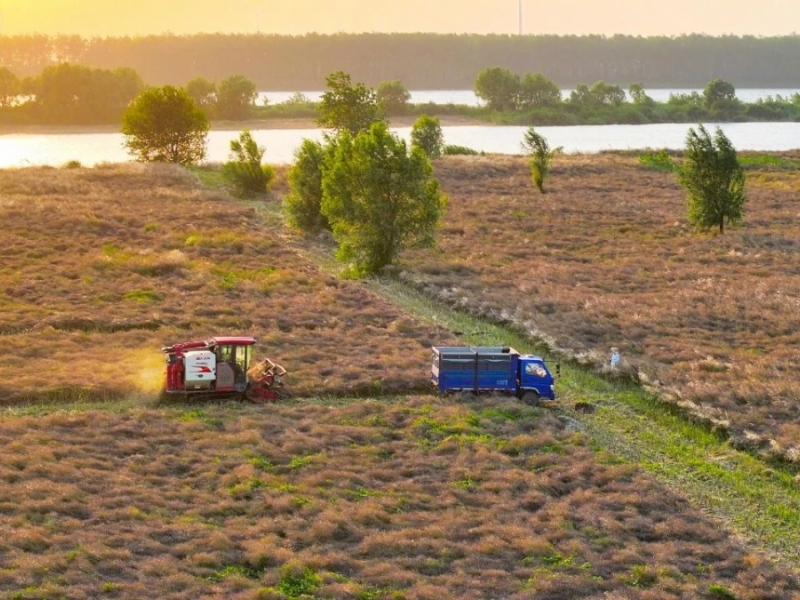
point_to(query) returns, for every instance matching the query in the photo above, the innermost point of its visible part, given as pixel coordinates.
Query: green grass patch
(298, 581)
(210, 177)
(762, 161)
(143, 296)
(659, 161)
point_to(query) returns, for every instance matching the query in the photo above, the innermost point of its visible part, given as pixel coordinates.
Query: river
(19, 150)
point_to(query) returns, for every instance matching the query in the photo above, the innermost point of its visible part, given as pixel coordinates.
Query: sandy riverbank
(253, 125)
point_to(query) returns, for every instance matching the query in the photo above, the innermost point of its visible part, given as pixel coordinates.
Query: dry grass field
(100, 268)
(411, 499)
(406, 497)
(607, 258)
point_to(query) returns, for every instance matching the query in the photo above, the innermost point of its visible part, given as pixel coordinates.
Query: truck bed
(476, 368)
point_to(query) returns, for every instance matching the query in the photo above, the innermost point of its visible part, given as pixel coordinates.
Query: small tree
(536, 90)
(163, 124)
(718, 92)
(426, 134)
(379, 198)
(714, 180)
(203, 92)
(348, 107)
(393, 97)
(606, 93)
(303, 203)
(244, 171)
(498, 87)
(541, 156)
(639, 95)
(236, 97)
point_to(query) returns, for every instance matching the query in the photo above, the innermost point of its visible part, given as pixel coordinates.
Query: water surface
(19, 150)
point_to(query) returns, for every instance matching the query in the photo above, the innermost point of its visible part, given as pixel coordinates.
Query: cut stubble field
(102, 267)
(324, 496)
(608, 259)
(407, 499)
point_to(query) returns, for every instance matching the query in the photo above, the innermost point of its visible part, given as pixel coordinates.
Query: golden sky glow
(295, 17)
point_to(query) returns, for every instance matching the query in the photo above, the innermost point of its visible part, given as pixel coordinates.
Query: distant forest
(421, 61)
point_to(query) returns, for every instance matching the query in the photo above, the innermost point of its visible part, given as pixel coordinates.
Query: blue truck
(479, 369)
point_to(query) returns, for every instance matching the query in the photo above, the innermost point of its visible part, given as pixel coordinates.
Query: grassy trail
(757, 501)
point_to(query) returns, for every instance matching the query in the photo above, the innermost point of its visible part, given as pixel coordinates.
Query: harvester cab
(220, 367)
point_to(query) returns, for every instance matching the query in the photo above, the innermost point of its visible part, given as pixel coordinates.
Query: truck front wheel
(530, 398)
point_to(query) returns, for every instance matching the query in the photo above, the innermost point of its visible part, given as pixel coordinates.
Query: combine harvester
(220, 368)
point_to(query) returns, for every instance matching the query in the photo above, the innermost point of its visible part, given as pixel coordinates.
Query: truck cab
(534, 378)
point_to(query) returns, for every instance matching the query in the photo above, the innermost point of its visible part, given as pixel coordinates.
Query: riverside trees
(377, 196)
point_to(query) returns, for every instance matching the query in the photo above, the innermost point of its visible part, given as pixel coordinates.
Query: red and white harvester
(220, 367)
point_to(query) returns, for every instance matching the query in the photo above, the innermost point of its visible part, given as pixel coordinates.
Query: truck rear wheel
(467, 396)
(530, 398)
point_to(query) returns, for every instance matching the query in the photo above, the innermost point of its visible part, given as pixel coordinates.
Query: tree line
(421, 61)
(536, 99)
(71, 94)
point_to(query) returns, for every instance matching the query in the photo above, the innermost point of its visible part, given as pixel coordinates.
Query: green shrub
(297, 581)
(244, 171)
(302, 203)
(657, 161)
(427, 134)
(452, 150)
(719, 592)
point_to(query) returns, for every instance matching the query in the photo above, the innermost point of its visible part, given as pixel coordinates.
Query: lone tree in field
(348, 107)
(427, 135)
(714, 180)
(541, 156)
(244, 171)
(379, 199)
(165, 125)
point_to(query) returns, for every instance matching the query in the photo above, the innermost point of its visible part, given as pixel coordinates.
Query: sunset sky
(295, 17)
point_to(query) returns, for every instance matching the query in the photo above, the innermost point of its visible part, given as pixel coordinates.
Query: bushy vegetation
(455, 150)
(303, 203)
(426, 134)
(377, 197)
(660, 160)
